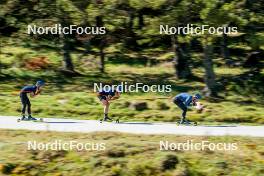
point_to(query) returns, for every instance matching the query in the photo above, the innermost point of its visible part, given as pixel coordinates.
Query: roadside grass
(85, 105)
(74, 98)
(127, 155)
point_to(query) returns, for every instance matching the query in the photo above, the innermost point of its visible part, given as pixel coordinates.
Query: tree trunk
(225, 51)
(66, 49)
(211, 88)
(67, 60)
(130, 39)
(102, 57)
(141, 22)
(99, 23)
(180, 60)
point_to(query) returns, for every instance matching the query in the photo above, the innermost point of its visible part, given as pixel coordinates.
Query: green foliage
(126, 155)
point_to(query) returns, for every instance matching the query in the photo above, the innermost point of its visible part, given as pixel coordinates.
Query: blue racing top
(106, 93)
(185, 98)
(29, 89)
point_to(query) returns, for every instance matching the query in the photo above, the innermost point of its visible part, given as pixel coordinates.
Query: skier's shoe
(107, 119)
(23, 118)
(31, 118)
(183, 121)
(186, 122)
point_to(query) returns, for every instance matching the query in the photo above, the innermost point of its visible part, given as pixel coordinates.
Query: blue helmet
(40, 83)
(198, 96)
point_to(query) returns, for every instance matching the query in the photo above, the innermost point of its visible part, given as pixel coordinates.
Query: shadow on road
(63, 122)
(218, 126)
(135, 123)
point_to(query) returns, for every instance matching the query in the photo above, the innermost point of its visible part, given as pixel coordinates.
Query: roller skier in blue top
(105, 97)
(183, 101)
(33, 90)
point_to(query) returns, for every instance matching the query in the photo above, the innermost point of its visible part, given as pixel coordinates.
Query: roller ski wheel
(187, 123)
(106, 120)
(22, 119)
(30, 120)
(38, 120)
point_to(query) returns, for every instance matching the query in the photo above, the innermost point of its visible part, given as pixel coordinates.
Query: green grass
(74, 98)
(85, 105)
(127, 155)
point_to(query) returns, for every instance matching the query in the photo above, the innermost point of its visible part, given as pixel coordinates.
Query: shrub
(139, 106)
(36, 63)
(162, 106)
(7, 168)
(115, 153)
(169, 162)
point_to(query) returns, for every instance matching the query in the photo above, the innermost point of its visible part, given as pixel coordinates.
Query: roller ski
(186, 123)
(117, 120)
(29, 118)
(106, 119)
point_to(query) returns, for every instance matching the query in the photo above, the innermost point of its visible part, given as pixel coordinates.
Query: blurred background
(226, 69)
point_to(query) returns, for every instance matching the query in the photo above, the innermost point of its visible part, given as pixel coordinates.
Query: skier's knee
(184, 112)
(24, 105)
(105, 103)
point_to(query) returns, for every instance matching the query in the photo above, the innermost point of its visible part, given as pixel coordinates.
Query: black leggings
(181, 105)
(25, 103)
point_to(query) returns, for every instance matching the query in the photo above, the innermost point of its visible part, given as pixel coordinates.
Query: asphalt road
(86, 126)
